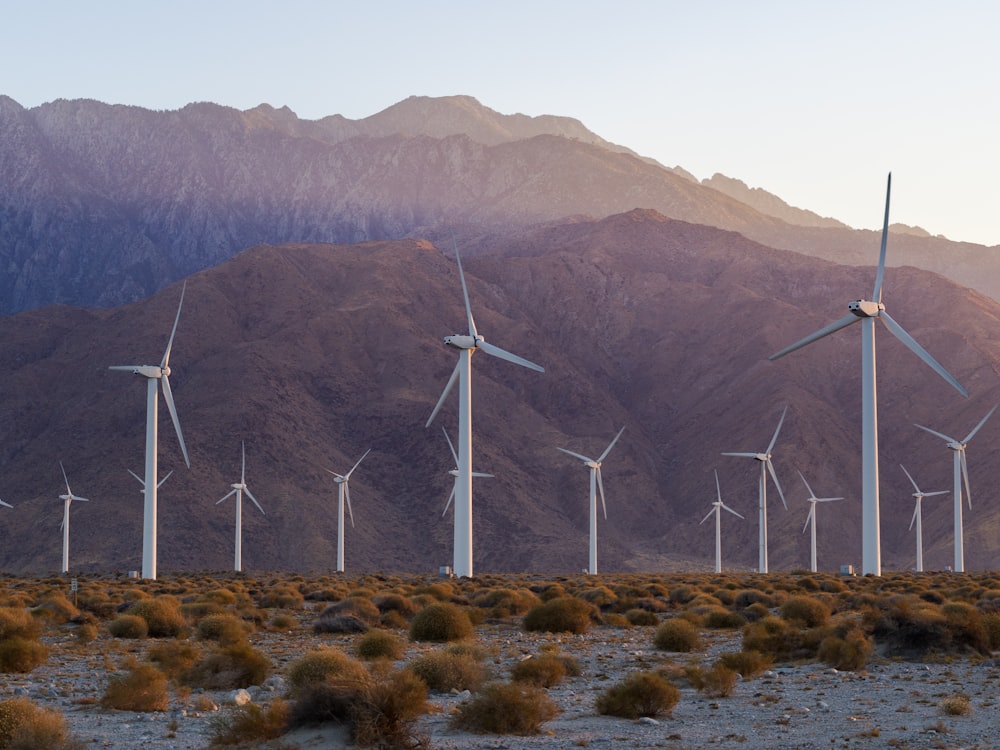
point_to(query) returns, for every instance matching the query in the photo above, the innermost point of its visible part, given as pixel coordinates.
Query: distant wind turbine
(917, 516)
(957, 447)
(596, 483)
(344, 493)
(811, 518)
(765, 467)
(67, 499)
(154, 373)
(717, 507)
(238, 490)
(467, 345)
(867, 311)
(454, 473)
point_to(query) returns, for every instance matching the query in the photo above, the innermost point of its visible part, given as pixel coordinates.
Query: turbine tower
(454, 473)
(867, 311)
(961, 472)
(238, 490)
(67, 499)
(765, 467)
(917, 517)
(594, 464)
(344, 493)
(467, 345)
(154, 373)
(717, 507)
(812, 500)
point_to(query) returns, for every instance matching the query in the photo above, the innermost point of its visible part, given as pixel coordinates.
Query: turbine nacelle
(865, 308)
(463, 341)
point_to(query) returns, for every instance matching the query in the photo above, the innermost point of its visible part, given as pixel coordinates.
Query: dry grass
(505, 708)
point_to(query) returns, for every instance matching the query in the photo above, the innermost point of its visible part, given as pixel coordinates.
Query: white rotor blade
(600, 486)
(496, 351)
(610, 446)
(981, 423)
(348, 474)
(714, 510)
(243, 465)
(812, 511)
(774, 476)
(445, 392)
(912, 481)
(227, 495)
(465, 291)
(836, 326)
(68, 490)
(811, 493)
(741, 455)
(170, 343)
(169, 398)
(482, 475)
(253, 499)
(160, 483)
(450, 498)
(6, 505)
(932, 494)
(897, 330)
(452, 447)
(718, 489)
(139, 479)
(774, 438)
(84, 499)
(877, 294)
(965, 477)
(726, 507)
(828, 499)
(913, 519)
(577, 455)
(347, 497)
(935, 432)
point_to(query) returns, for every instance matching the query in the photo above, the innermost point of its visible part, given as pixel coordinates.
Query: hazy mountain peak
(768, 203)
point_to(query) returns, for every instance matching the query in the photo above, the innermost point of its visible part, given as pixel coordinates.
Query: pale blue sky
(813, 101)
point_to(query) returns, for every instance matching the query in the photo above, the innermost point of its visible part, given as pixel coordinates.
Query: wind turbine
(594, 464)
(154, 373)
(344, 493)
(765, 467)
(717, 507)
(867, 311)
(961, 473)
(238, 490)
(67, 499)
(917, 517)
(454, 473)
(467, 345)
(812, 500)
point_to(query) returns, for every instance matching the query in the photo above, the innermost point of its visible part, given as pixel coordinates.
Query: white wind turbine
(961, 474)
(765, 467)
(454, 473)
(238, 490)
(596, 483)
(867, 311)
(67, 499)
(811, 518)
(717, 507)
(467, 345)
(917, 517)
(344, 493)
(154, 373)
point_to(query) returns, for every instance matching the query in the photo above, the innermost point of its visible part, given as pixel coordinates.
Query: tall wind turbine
(917, 517)
(596, 483)
(765, 467)
(154, 373)
(867, 311)
(344, 493)
(67, 499)
(454, 473)
(957, 447)
(238, 490)
(467, 345)
(812, 500)
(717, 507)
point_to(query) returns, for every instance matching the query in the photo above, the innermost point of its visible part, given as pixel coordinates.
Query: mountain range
(320, 336)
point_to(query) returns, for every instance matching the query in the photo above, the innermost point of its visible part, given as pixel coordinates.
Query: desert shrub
(641, 617)
(639, 694)
(440, 623)
(27, 726)
(544, 670)
(564, 614)
(282, 597)
(965, 623)
(599, 596)
(128, 626)
(756, 611)
(718, 681)
(779, 638)
(228, 667)
(223, 628)
(174, 658)
(162, 615)
(357, 606)
(748, 597)
(21, 655)
(991, 622)
(251, 722)
(340, 623)
(18, 623)
(677, 635)
(847, 647)
(197, 610)
(393, 602)
(321, 666)
(444, 671)
(504, 602)
(380, 644)
(505, 708)
(282, 621)
(956, 705)
(56, 608)
(142, 688)
(747, 663)
(908, 626)
(806, 611)
(386, 709)
(682, 594)
(720, 618)
(98, 603)
(87, 632)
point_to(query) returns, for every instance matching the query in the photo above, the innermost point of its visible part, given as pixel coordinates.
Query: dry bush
(440, 623)
(385, 710)
(718, 682)
(544, 670)
(324, 665)
(911, 627)
(356, 606)
(142, 688)
(444, 671)
(27, 726)
(782, 639)
(282, 597)
(564, 614)
(251, 723)
(392, 602)
(228, 667)
(174, 658)
(991, 622)
(641, 617)
(505, 708)
(747, 663)
(847, 647)
(223, 628)
(639, 694)
(18, 623)
(128, 626)
(195, 611)
(677, 635)
(162, 615)
(56, 608)
(340, 624)
(956, 705)
(505, 602)
(98, 603)
(380, 644)
(806, 611)
(720, 618)
(599, 596)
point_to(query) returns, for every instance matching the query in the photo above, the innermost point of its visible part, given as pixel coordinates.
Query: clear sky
(814, 101)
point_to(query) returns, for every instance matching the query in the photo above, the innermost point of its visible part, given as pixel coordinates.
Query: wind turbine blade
(445, 392)
(877, 294)
(932, 494)
(339, 476)
(910, 477)
(812, 511)
(224, 497)
(347, 497)
(735, 513)
(708, 516)
(981, 423)
(774, 476)
(718, 489)
(253, 499)
(169, 398)
(160, 483)
(610, 446)
(812, 494)
(465, 291)
(897, 330)
(450, 498)
(965, 478)
(828, 499)
(576, 455)
(348, 474)
(170, 342)
(450, 445)
(139, 479)
(836, 326)
(741, 455)
(496, 351)
(482, 475)
(243, 466)
(600, 486)
(935, 432)
(6, 505)
(913, 519)
(83, 499)
(68, 490)
(774, 438)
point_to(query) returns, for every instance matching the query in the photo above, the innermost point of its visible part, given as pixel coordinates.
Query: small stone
(649, 721)
(240, 697)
